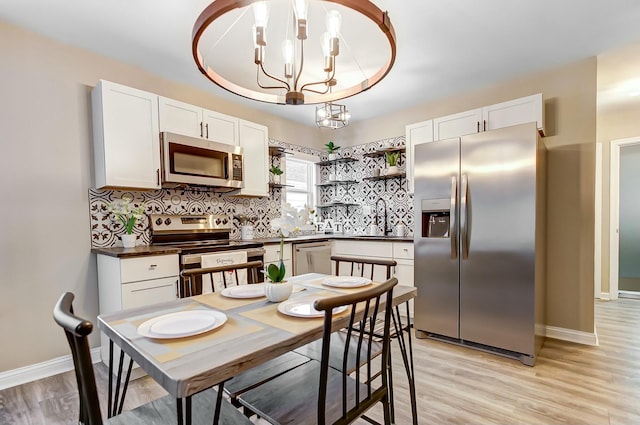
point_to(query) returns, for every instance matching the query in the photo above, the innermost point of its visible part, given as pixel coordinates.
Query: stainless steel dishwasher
(312, 257)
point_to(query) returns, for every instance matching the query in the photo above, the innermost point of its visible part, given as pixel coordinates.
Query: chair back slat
(77, 331)
(191, 276)
(365, 306)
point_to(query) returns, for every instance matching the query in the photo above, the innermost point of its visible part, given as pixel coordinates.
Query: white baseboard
(571, 335)
(22, 375)
(604, 296)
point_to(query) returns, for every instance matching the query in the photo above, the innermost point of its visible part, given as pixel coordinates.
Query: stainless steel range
(200, 237)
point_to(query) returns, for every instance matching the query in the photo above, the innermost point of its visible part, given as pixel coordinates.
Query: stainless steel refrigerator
(479, 241)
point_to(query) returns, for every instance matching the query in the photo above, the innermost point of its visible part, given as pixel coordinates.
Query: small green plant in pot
(127, 214)
(275, 172)
(392, 160)
(332, 149)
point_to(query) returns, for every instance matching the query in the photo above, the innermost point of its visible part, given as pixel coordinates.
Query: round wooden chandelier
(355, 51)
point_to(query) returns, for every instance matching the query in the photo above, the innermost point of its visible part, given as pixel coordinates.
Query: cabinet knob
(152, 266)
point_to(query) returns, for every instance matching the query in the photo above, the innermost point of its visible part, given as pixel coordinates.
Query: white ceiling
(444, 47)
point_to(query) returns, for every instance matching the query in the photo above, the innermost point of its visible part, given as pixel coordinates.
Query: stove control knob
(225, 221)
(158, 221)
(217, 221)
(167, 221)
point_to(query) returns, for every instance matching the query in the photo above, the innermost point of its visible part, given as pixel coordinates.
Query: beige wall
(612, 125)
(46, 167)
(570, 98)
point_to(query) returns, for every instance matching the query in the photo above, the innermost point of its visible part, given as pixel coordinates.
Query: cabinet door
(374, 250)
(220, 128)
(138, 294)
(457, 125)
(404, 274)
(254, 141)
(181, 118)
(416, 134)
(126, 137)
(514, 112)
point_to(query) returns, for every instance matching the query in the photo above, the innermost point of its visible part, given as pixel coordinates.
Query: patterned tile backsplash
(106, 230)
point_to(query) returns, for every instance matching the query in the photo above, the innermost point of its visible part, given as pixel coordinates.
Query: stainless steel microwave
(193, 161)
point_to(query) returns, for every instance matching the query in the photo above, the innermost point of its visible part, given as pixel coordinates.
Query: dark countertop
(138, 251)
(336, 236)
(143, 250)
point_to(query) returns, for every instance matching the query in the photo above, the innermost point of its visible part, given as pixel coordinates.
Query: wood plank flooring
(570, 384)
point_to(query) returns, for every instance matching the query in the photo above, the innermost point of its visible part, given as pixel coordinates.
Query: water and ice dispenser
(435, 217)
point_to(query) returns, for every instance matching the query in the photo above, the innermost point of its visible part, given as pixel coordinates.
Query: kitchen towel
(223, 259)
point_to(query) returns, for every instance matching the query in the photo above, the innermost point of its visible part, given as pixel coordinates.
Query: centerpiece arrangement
(289, 223)
(127, 214)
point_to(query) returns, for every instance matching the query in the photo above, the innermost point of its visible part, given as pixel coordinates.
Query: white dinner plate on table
(254, 290)
(346, 281)
(182, 324)
(303, 307)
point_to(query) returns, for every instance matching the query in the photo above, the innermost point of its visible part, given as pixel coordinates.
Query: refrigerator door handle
(464, 216)
(453, 234)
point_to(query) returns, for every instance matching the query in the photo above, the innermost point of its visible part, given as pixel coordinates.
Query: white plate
(303, 307)
(254, 290)
(346, 281)
(182, 324)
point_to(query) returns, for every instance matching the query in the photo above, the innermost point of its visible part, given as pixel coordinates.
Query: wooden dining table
(254, 332)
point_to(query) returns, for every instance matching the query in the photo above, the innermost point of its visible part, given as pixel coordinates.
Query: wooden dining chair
(158, 412)
(192, 278)
(261, 373)
(362, 267)
(316, 393)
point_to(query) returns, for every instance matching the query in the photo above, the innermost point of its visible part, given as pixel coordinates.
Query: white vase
(277, 292)
(393, 169)
(333, 156)
(128, 241)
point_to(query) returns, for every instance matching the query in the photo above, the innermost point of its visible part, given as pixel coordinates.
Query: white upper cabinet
(126, 137)
(421, 132)
(505, 114)
(180, 118)
(189, 120)
(456, 125)
(221, 128)
(254, 141)
(514, 112)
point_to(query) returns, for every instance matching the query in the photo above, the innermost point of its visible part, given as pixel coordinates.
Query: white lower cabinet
(135, 282)
(402, 252)
(272, 256)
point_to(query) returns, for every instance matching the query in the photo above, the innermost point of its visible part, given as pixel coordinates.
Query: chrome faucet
(384, 204)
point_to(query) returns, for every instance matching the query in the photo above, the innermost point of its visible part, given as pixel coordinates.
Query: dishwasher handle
(312, 247)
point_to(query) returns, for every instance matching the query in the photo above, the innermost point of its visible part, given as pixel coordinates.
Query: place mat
(217, 301)
(164, 350)
(175, 348)
(317, 283)
(270, 315)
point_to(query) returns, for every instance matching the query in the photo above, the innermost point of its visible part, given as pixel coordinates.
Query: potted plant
(127, 214)
(276, 288)
(332, 149)
(392, 160)
(275, 172)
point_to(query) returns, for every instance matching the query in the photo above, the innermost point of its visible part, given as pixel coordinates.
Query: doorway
(624, 276)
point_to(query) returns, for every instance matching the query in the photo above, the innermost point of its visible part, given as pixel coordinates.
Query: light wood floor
(570, 384)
